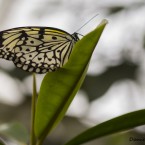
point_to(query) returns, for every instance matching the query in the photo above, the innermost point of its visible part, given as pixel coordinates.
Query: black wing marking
(36, 49)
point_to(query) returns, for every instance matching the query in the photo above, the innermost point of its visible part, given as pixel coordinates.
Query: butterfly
(37, 49)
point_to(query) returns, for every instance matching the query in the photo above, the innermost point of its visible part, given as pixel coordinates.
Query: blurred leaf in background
(14, 131)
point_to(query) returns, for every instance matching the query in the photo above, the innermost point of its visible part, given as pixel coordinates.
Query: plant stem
(39, 142)
(33, 107)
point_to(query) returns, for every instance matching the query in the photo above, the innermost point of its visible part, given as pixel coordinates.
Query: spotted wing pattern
(36, 49)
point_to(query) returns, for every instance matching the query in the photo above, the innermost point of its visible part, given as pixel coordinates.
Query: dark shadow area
(96, 86)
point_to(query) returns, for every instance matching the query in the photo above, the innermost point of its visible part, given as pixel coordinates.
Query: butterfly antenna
(86, 23)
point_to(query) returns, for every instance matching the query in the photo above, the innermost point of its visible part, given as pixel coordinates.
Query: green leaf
(14, 131)
(118, 124)
(59, 88)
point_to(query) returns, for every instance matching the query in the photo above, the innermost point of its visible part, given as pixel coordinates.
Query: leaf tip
(104, 22)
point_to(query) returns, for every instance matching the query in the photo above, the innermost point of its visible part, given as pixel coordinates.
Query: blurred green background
(115, 83)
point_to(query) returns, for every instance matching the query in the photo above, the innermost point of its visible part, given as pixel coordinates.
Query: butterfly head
(75, 36)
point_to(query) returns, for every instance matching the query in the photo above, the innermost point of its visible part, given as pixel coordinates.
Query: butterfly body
(37, 49)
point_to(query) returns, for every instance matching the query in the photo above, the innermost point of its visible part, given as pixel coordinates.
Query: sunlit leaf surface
(59, 88)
